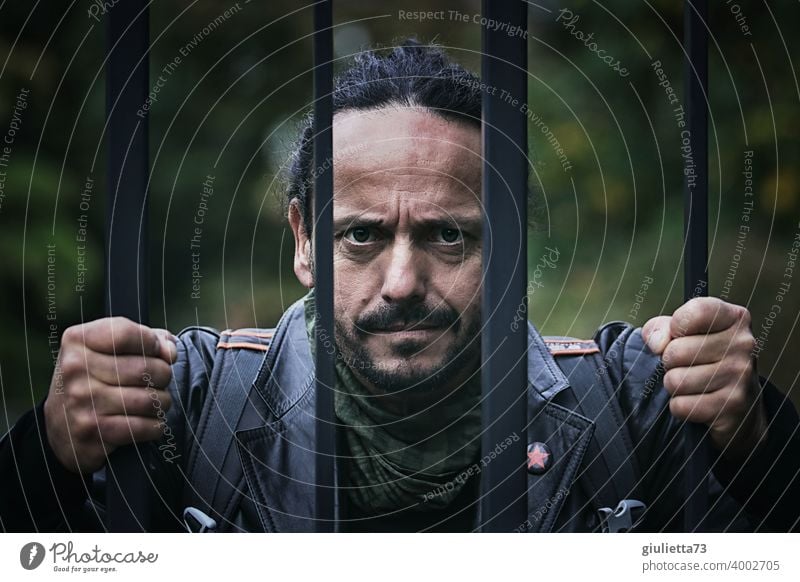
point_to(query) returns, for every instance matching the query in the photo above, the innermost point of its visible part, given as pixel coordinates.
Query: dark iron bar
(695, 216)
(128, 486)
(504, 350)
(325, 490)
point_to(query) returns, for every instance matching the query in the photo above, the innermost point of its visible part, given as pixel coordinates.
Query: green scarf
(397, 462)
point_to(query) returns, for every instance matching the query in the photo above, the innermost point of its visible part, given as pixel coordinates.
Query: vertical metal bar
(695, 260)
(325, 490)
(504, 350)
(128, 489)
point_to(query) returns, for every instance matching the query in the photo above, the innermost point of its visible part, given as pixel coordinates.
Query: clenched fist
(107, 390)
(706, 347)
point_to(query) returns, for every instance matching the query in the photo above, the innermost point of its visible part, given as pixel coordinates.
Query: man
(407, 270)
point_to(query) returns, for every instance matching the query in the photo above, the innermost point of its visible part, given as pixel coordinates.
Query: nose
(405, 277)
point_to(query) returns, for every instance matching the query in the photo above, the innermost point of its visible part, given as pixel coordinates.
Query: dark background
(231, 107)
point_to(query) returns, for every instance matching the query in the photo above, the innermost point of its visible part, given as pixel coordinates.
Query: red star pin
(538, 458)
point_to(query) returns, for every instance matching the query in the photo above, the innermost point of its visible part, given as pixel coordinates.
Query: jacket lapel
(278, 455)
(566, 434)
(278, 462)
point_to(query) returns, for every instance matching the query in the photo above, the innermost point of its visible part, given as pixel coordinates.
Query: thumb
(168, 345)
(656, 333)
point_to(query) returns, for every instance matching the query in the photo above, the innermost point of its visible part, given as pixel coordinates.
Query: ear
(302, 246)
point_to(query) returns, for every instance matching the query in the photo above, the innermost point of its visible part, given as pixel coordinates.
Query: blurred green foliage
(229, 109)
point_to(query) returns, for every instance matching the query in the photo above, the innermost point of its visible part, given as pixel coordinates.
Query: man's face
(407, 248)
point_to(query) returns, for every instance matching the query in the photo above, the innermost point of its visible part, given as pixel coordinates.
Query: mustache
(417, 315)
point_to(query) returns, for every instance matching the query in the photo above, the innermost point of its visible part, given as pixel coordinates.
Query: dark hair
(410, 74)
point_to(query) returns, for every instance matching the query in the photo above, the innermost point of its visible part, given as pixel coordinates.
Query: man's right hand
(108, 390)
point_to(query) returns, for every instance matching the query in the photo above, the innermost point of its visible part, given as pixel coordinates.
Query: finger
(705, 315)
(701, 378)
(734, 372)
(120, 430)
(129, 370)
(169, 347)
(708, 348)
(116, 335)
(711, 408)
(692, 409)
(656, 333)
(132, 401)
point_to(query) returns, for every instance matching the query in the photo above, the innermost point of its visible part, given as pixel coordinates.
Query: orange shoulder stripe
(243, 345)
(569, 346)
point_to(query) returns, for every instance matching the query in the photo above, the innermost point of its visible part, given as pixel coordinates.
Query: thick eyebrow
(353, 220)
(468, 223)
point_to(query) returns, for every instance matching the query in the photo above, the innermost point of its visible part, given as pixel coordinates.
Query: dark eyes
(359, 234)
(365, 234)
(449, 235)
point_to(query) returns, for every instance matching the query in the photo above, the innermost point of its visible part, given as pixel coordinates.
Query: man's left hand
(706, 347)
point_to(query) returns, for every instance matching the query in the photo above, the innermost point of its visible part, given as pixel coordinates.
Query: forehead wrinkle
(434, 190)
(414, 220)
(410, 156)
(371, 138)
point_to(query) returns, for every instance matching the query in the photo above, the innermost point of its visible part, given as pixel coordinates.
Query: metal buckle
(622, 518)
(198, 522)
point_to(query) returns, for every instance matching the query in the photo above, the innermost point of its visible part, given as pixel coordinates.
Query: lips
(400, 327)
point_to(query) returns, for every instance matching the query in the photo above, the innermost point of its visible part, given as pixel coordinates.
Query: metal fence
(503, 505)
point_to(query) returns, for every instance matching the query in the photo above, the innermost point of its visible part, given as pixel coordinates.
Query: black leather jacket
(272, 466)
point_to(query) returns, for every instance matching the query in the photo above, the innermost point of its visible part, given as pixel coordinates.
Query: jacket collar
(278, 456)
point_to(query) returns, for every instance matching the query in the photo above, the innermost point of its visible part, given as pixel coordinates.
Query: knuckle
(122, 328)
(747, 343)
(85, 425)
(683, 318)
(736, 367)
(652, 323)
(72, 362)
(695, 309)
(673, 354)
(698, 302)
(160, 371)
(679, 407)
(745, 316)
(76, 395)
(72, 334)
(671, 380)
(121, 323)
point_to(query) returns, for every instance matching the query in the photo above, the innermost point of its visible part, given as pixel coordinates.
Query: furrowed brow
(469, 223)
(352, 220)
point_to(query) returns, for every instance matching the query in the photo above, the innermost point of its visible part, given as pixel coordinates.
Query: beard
(463, 354)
